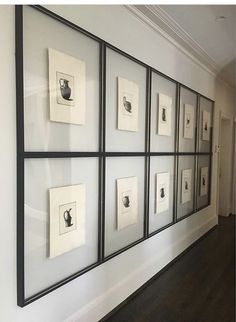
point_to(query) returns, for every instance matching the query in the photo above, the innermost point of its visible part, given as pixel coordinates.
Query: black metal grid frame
(101, 154)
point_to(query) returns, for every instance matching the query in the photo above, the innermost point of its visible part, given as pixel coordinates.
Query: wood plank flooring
(199, 287)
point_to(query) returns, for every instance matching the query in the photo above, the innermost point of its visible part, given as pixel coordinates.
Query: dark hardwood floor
(199, 287)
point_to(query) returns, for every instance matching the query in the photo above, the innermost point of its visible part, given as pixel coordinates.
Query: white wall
(94, 294)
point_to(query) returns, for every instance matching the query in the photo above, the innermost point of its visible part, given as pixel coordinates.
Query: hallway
(199, 287)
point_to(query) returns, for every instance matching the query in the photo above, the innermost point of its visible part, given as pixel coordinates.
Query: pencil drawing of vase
(68, 218)
(203, 181)
(65, 89)
(162, 193)
(186, 185)
(126, 201)
(188, 122)
(163, 115)
(127, 105)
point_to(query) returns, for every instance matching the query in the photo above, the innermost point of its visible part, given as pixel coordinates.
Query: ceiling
(195, 27)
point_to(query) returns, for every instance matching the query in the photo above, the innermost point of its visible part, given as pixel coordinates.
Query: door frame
(234, 170)
(222, 116)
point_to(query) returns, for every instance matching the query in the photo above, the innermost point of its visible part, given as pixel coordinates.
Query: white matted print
(67, 88)
(206, 117)
(164, 115)
(188, 121)
(203, 181)
(67, 218)
(162, 191)
(186, 185)
(128, 104)
(127, 202)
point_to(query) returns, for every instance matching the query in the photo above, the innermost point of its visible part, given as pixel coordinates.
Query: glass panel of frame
(161, 192)
(124, 205)
(125, 103)
(61, 86)
(203, 181)
(205, 125)
(186, 185)
(187, 120)
(61, 219)
(163, 113)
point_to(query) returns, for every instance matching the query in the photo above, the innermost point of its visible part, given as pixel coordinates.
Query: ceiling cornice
(156, 18)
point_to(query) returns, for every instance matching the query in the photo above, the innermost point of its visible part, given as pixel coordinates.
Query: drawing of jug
(68, 218)
(162, 192)
(65, 89)
(127, 105)
(186, 185)
(126, 201)
(203, 181)
(164, 115)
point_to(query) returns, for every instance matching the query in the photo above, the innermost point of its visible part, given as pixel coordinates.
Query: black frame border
(101, 154)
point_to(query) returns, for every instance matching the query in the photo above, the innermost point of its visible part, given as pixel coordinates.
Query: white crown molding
(156, 18)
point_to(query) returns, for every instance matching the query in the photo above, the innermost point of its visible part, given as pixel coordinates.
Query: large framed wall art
(109, 151)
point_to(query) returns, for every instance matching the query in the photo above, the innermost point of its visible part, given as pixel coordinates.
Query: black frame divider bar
(195, 183)
(147, 149)
(102, 158)
(176, 174)
(211, 154)
(102, 78)
(210, 177)
(197, 146)
(72, 154)
(20, 159)
(196, 180)
(101, 154)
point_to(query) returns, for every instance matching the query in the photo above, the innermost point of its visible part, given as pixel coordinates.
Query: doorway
(225, 166)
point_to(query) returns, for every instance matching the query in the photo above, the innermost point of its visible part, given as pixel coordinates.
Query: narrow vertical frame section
(212, 130)
(102, 85)
(196, 183)
(198, 124)
(211, 152)
(147, 150)
(210, 178)
(177, 116)
(196, 150)
(176, 188)
(20, 154)
(102, 147)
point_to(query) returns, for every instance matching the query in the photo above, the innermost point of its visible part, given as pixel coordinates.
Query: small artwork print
(186, 185)
(203, 181)
(127, 202)
(162, 191)
(128, 96)
(164, 115)
(67, 219)
(188, 121)
(67, 88)
(127, 104)
(205, 126)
